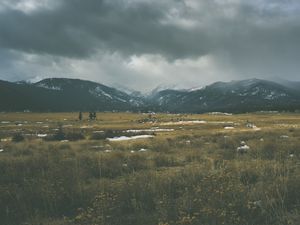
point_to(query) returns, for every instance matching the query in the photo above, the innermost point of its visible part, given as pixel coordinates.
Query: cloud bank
(143, 43)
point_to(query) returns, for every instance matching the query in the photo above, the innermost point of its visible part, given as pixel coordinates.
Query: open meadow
(150, 169)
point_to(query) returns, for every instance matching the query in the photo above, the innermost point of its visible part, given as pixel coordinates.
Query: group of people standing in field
(92, 116)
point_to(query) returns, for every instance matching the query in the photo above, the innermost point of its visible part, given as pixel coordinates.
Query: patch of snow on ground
(124, 138)
(243, 148)
(185, 122)
(5, 139)
(150, 130)
(221, 122)
(228, 128)
(256, 128)
(284, 136)
(220, 113)
(42, 135)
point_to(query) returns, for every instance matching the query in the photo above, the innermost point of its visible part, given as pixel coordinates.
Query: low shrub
(18, 137)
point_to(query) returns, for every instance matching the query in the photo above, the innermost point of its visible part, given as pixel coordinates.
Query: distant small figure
(80, 116)
(92, 115)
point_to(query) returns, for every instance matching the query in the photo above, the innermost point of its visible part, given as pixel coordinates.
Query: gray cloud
(230, 39)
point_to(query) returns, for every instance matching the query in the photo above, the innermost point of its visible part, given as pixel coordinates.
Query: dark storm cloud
(253, 38)
(78, 28)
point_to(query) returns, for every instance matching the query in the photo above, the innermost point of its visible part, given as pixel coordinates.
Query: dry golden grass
(192, 174)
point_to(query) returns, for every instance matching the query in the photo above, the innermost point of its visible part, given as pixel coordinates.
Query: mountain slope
(58, 94)
(235, 96)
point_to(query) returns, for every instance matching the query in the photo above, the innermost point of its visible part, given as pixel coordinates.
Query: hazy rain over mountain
(141, 44)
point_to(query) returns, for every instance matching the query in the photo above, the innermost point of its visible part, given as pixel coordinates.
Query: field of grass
(181, 169)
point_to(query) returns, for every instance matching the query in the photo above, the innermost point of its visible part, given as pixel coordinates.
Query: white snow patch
(220, 113)
(143, 150)
(228, 128)
(5, 139)
(99, 92)
(150, 130)
(5, 122)
(222, 122)
(284, 136)
(254, 127)
(191, 122)
(196, 89)
(1, 150)
(42, 135)
(243, 148)
(120, 99)
(49, 87)
(124, 138)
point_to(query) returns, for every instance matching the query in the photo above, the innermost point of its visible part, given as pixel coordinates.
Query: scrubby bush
(18, 137)
(74, 136)
(61, 135)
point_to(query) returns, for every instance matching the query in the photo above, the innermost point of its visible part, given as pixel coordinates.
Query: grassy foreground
(56, 170)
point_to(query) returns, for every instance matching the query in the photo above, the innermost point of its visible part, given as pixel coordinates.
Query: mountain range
(61, 94)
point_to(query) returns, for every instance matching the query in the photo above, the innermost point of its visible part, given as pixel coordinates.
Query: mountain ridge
(63, 94)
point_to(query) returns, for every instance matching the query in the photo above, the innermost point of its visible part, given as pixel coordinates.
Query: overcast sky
(144, 43)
